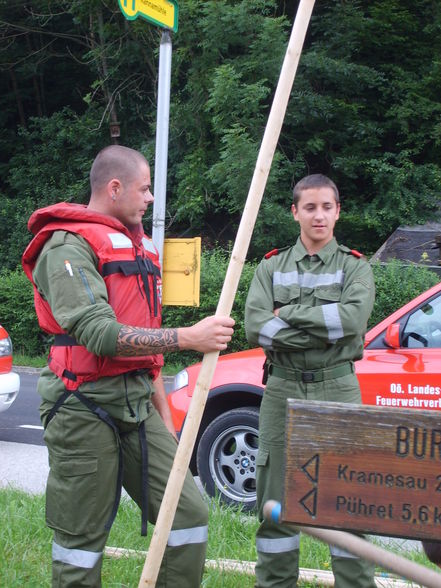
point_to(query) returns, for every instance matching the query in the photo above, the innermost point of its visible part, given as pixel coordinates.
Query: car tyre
(227, 457)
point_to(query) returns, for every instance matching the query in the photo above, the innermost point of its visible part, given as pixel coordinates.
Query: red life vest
(129, 265)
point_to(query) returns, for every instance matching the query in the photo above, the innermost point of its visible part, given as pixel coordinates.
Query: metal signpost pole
(164, 13)
(162, 125)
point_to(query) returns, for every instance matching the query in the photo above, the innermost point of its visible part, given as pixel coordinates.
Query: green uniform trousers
(81, 488)
(278, 545)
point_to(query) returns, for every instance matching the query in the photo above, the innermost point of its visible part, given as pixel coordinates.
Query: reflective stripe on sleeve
(269, 330)
(332, 321)
(285, 278)
(188, 536)
(338, 552)
(307, 280)
(281, 545)
(78, 558)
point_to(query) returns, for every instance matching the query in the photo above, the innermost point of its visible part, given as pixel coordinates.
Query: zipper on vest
(86, 285)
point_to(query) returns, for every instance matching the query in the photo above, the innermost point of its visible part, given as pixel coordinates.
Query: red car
(401, 367)
(9, 380)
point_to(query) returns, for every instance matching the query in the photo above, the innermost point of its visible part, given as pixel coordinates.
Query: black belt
(311, 376)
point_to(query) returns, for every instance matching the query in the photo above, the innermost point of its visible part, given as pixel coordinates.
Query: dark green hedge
(214, 266)
(396, 284)
(17, 313)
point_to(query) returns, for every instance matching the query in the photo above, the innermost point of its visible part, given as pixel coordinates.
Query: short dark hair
(115, 161)
(313, 181)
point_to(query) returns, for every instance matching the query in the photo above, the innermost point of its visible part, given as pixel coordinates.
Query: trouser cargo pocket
(71, 494)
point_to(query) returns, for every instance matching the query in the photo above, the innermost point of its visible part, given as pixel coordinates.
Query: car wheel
(227, 456)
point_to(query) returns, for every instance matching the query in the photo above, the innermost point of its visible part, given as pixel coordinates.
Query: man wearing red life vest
(97, 287)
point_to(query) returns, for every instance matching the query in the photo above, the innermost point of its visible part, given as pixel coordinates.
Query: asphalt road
(23, 454)
(21, 422)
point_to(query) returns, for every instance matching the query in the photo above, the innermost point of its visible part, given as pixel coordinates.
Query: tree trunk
(114, 125)
(20, 109)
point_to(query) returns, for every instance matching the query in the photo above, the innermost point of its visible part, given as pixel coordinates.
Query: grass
(25, 545)
(169, 369)
(28, 361)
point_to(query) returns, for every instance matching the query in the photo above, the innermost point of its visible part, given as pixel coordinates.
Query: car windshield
(423, 328)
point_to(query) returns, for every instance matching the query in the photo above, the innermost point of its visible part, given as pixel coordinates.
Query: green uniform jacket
(324, 303)
(92, 324)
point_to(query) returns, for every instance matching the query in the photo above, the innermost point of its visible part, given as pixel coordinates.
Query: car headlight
(5, 347)
(181, 380)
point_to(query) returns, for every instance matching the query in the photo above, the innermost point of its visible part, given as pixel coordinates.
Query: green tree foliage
(365, 110)
(381, 58)
(50, 164)
(225, 79)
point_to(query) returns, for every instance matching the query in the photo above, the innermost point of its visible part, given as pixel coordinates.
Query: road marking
(39, 427)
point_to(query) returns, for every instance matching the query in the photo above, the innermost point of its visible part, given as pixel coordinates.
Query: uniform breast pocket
(289, 294)
(327, 294)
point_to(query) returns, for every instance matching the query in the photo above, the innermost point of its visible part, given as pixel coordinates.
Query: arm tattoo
(134, 341)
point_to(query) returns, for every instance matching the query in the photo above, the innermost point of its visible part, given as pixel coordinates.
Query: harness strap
(141, 266)
(127, 268)
(143, 271)
(61, 400)
(144, 478)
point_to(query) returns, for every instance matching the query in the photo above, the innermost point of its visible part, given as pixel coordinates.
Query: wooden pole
(269, 142)
(361, 548)
(382, 557)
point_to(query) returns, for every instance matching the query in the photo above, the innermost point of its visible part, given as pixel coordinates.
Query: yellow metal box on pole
(181, 272)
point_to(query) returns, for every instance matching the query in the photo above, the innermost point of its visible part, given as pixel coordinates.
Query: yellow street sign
(160, 12)
(181, 272)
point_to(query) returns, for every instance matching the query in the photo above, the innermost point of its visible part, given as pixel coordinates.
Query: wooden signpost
(363, 468)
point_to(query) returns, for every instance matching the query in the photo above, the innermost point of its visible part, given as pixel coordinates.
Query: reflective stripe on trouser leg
(180, 537)
(277, 556)
(277, 545)
(183, 565)
(184, 557)
(271, 572)
(75, 567)
(83, 460)
(79, 558)
(351, 571)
